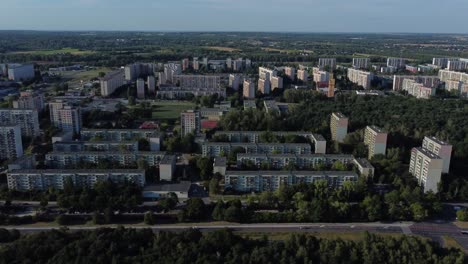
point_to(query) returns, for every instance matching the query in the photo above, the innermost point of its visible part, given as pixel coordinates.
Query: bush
(462, 215)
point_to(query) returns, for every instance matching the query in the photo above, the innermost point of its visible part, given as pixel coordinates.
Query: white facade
(20, 72)
(111, 82)
(427, 168)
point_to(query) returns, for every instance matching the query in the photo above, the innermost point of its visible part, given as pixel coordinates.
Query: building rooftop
(427, 153)
(77, 171)
(220, 162)
(176, 187)
(168, 159)
(363, 163)
(298, 173)
(339, 115)
(436, 140)
(318, 137)
(376, 129)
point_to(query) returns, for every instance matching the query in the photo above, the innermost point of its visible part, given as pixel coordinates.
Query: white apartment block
(446, 75)
(327, 63)
(457, 65)
(27, 119)
(362, 78)
(361, 63)
(167, 168)
(235, 80)
(427, 168)
(264, 86)
(136, 70)
(41, 180)
(376, 141)
(30, 100)
(20, 72)
(151, 84)
(111, 82)
(338, 127)
(249, 89)
(216, 149)
(418, 90)
(190, 122)
(65, 116)
(11, 145)
(427, 81)
(441, 149)
(320, 76)
(122, 135)
(276, 82)
(441, 62)
(303, 75)
(290, 72)
(396, 62)
(140, 83)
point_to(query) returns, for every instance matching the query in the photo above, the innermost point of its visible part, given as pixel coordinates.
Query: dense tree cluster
(143, 246)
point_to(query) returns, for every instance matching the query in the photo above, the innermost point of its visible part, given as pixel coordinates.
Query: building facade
(111, 82)
(190, 122)
(427, 168)
(376, 141)
(27, 119)
(440, 148)
(338, 127)
(11, 145)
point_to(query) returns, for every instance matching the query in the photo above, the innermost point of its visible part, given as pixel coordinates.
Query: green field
(83, 75)
(170, 110)
(57, 51)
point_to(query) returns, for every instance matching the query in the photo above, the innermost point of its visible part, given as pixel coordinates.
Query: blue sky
(420, 16)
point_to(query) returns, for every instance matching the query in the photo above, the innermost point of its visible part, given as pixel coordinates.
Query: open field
(222, 49)
(170, 110)
(58, 51)
(85, 75)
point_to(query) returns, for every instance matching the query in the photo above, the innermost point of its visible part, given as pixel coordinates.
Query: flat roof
(220, 161)
(300, 173)
(339, 115)
(427, 153)
(168, 159)
(77, 171)
(119, 130)
(438, 141)
(376, 129)
(363, 163)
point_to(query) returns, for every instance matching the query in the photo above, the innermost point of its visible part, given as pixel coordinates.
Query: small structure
(167, 168)
(220, 165)
(162, 190)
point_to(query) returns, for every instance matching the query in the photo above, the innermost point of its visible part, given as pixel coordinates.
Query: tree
(44, 201)
(194, 211)
(205, 166)
(149, 218)
(233, 214)
(131, 100)
(218, 211)
(418, 211)
(462, 215)
(373, 207)
(214, 186)
(61, 219)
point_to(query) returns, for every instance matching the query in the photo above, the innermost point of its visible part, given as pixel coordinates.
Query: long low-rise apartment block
(61, 160)
(427, 81)
(260, 181)
(41, 180)
(216, 149)
(74, 146)
(362, 78)
(418, 90)
(154, 137)
(255, 137)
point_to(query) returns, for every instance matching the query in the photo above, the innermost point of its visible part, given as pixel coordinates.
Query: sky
(414, 16)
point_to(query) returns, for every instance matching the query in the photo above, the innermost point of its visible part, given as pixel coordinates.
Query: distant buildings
(30, 100)
(41, 180)
(249, 89)
(111, 82)
(362, 78)
(11, 145)
(338, 127)
(65, 116)
(361, 63)
(190, 122)
(376, 141)
(151, 81)
(327, 63)
(440, 62)
(418, 90)
(427, 168)
(137, 70)
(271, 76)
(396, 62)
(250, 104)
(27, 119)
(20, 72)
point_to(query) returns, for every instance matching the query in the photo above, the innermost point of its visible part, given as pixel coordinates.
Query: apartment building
(300, 161)
(338, 127)
(264, 86)
(20, 72)
(111, 82)
(61, 160)
(65, 116)
(427, 168)
(303, 75)
(441, 62)
(42, 180)
(30, 100)
(457, 65)
(329, 63)
(75, 146)
(261, 181)
(440, 148)
(167, 168)
(122, 135)
(11, 145)
(190, 122)
(320, 76)
(361, 63)
(396, 62)
(446, 75)
(216, 149)
(290, 72)
(376, 141)
(27, 119)
(137, 70)
(235, 80)
(362, 78)
(427, 81)
(140, 84)
(151, 81)
(418, 90)
(249, 89)
(276, 82)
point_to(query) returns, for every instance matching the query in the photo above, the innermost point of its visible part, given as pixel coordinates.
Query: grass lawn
(450, 242)
(170, 110)
(76, 76)
(58, 51)
(461, 224)
(222, 49)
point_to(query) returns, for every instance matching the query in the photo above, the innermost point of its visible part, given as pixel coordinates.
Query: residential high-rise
(29, 100)
(264, 86)
(229, 63)
(196, 64)
(140, 88)
(111, 82)
(65, 116)
(329, 63)
(10, 142)
(20, 72)
(396, 62)
(361, 63)
(27, 119)
(185, 64)
(290, 72)
(249, 89)
(137, 70)
(427, 81)
(361, 78)
(303, 75)
(376, 141)
(440, 62)
(151, 84)
(235, 80)
(331, 87)
(418, 90)
(190, 122)
(320, 76)
(338, 127)
(441, 149)
(276, 82)
(427, 168)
